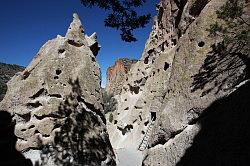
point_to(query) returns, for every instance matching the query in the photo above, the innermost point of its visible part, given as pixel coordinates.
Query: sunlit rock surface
(117, 75)
(34, 96)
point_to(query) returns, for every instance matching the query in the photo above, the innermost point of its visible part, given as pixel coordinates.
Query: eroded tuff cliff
(117, 74)
(63, 77)
(184, 102)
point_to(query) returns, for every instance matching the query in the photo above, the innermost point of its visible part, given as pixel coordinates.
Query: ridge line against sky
(27, 25)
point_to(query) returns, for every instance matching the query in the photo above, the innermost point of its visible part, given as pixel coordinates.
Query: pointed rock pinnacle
(75, 33)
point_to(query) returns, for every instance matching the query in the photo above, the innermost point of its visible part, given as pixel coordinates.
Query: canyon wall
(117, 74)
(184, 92)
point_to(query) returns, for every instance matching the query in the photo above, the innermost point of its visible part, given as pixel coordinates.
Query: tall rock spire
(75, 32)
(64, 74)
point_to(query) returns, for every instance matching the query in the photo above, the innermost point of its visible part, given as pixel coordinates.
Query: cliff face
(180, 88)
(7, 71)
(59, 94)
(117, 75)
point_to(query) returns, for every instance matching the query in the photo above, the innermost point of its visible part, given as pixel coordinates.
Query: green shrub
(232, 27)
(111, 117)
(3, 88)
(109, 102)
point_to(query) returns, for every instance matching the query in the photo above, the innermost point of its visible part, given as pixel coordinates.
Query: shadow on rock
(9, 156)
(224, 68)
(82, 139)
(224, 138)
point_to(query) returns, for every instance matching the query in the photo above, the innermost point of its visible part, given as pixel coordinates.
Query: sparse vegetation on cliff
(109, 102)
(6, 72)
(232, 30)
(111, 117)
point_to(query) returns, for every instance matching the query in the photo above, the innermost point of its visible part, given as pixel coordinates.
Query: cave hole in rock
(143, 132)
(56, 77)
(166, 66)
(125, 129)
(146, 123)
(34, 105)
(57, 125)
(134, 89)
(93, 59)
(115, 121)
(146, 60)
(26, 117)
(174, 42)
(36, 132)
(162, 47)
(140, 117)
(74, 43)
(60, 51)
(55, 95)
(58, 72)
(201, 44)
(26, 74)
(46, 135)
(137, 107)
(153, 116)
(39, 93)
(177, 50)
(150, 51)
(32, 126)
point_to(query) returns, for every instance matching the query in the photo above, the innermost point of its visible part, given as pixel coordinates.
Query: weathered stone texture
(34, 96)
(117, 74)
(173, 82)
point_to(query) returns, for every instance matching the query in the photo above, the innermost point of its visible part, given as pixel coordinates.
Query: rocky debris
(7, 71)
(34, 96)
(117, 75)
(178, 78)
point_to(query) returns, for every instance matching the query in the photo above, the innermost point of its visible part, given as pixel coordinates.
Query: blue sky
(27, 24)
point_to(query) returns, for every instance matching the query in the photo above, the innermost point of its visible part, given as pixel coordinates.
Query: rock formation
(35, 96)
(6, 72)
(179, 89)
(117, 75)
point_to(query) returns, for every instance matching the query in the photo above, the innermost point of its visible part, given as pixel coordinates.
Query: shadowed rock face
(34, 96)
(9, 156)
(201, 82)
